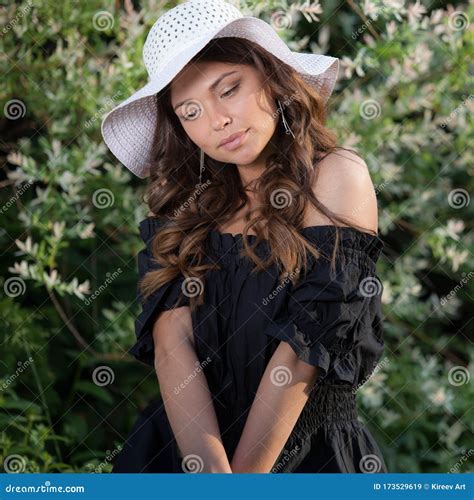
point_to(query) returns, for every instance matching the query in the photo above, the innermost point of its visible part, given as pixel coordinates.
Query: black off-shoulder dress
(331, 319)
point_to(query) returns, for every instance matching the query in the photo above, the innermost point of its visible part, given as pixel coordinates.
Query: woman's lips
(230, 146)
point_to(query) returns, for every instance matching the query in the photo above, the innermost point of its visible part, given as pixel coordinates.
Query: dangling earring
(201, 166)
(285, 124)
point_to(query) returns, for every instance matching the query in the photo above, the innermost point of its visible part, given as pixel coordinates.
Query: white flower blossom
(395, 4)
(391, 28)
(41, 195)
(439, 397)
(66, 180)
(441, 29)
(27, 246)
(21, 268)
(397, 7)
(454, 227)
(415, 11)
(87, 232)
(80, 290)
(352, 140)
(369, 40)
(369, 8)
(58, 229)
(422, 57)
(457, 258)
(436, 16)
(15, 158)
(51, 279)
(349, 65)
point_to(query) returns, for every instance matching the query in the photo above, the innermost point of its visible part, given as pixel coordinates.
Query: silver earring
(201, 166)
(285, 124)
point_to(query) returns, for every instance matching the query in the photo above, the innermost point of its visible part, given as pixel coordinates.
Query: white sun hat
(175, 38)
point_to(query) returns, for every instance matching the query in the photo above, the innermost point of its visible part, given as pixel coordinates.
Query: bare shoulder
(344, 186)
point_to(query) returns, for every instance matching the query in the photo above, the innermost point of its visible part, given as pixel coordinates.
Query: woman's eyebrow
(211, 88)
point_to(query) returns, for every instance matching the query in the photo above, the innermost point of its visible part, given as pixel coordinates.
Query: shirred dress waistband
(328, 404)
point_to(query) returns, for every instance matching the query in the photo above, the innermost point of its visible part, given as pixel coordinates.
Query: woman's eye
(192, 116)
(225, 94)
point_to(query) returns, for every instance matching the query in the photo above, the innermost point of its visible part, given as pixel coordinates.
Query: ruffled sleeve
(162, 299)
(332, 319)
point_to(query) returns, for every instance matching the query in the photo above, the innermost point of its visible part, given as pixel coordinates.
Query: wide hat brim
(129, 129)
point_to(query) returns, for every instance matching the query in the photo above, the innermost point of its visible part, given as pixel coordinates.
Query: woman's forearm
(189, 406)
(274, 412)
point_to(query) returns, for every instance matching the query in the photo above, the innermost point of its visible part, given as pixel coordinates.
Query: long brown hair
(192, 211)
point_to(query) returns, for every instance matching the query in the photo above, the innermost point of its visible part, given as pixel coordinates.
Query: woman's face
(215, 100)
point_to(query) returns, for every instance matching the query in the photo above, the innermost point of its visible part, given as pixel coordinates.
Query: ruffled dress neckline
(322, 235)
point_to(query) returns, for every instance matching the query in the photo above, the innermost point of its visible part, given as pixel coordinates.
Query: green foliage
(68, 391)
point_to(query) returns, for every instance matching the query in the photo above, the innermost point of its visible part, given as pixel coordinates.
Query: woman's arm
(274, 412)
(189, 407)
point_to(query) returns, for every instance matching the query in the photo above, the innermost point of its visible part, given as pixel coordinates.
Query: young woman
(261, 305)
